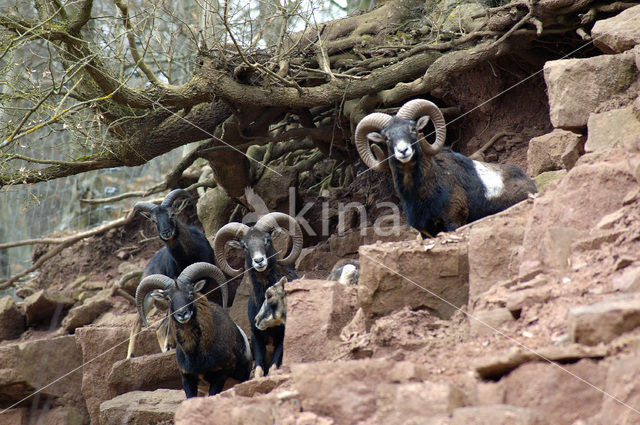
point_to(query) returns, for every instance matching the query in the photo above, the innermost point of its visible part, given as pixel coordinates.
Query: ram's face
(165, 221)
(401, 136)
(182, 301)
(258, 246)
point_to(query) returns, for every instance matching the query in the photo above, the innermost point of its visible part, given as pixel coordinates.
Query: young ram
(208, 342)
(184, 245)
(273, 311)
(264, 270)
(440, 190)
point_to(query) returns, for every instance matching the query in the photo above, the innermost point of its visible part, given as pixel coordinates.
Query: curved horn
(197, 271)
(226, 233)
(148, 284)
(172, 196)
(372, 122)
(143, 206)
(417, 108)
(272, 220)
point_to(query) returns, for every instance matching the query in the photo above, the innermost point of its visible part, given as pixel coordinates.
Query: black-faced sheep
(440, 190)
(184, 245)
(208, 342)
(264, 270)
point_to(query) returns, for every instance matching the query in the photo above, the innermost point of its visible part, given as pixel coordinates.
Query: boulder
(553, 391)
(12, 321)
(609, 130)
(317, 310)
(46, 305)
(603, 321)
(417, 274)
(576, 87)
(500, 414)
(88, 311)
(546, 152)
(22, 371)
(145, 373)
(350, 392)
(141, 408)
(618, 33)
(101, 348)
(494, 243)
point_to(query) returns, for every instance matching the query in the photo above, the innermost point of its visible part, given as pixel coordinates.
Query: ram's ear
(199, 285)
(422, 122)
(236, 244)
(376, 137)
(159, 294)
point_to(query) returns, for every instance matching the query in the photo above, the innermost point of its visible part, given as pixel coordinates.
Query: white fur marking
(247, 350)
(400, 147)
(491, 179)
(347, 273)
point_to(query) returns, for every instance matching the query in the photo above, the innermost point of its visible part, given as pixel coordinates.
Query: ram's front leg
(216, 381)
(258, 348)
(190, 384)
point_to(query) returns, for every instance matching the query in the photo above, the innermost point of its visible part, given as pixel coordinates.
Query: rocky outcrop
(317, 311)
(418, 274)
(22, 372)
(101, 348)
(619, 33)
(581, 199)
(577, 87)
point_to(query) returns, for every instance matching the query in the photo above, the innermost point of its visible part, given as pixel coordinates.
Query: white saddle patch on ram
(247, 348)
(491, 179)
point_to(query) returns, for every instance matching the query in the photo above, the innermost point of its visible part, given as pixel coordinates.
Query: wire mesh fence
(37, 210)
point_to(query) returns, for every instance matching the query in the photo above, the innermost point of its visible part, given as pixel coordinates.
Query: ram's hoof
(259, 373)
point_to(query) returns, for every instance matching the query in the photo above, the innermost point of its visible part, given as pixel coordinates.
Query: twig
(137, 57)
